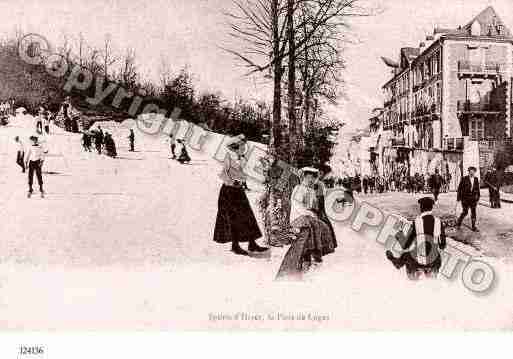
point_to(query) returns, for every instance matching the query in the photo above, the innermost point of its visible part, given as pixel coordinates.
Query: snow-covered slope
(127, 244)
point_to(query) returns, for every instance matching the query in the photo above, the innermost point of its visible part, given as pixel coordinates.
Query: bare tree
(270, 31)
(127, 74)
(108, 57)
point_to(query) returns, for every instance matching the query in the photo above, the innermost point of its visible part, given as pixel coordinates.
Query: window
(476, 129)
(438, 94)
(475, 56)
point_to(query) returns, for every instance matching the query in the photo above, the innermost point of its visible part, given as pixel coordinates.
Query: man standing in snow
(34, 161)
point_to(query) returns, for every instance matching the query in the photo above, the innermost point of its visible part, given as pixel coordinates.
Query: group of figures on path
(104, 142)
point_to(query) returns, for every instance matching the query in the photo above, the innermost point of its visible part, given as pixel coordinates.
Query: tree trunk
(275, 201)
(277, 73)
(291, 82)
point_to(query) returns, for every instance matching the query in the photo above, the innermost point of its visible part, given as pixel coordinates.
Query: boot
(474, 228)
(238, 250)
(254, 247)
(397, 262)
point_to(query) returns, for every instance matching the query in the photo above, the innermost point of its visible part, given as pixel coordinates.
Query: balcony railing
(453, 144)
(398, 141)
(467, 106)
(478, 68)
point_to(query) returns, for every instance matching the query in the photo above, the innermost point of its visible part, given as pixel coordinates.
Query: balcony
(472, 68)
(467, 106)
(398, 141)
(453, 144)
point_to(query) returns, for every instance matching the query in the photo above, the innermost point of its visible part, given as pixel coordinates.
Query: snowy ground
(127, 244)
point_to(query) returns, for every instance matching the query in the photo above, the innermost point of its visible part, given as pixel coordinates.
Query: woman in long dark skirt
(321, 205)
(235, 221)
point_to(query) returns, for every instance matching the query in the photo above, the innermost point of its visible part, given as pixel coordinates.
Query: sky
(192, 32)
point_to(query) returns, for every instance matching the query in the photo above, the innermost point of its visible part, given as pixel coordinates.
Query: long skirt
(235, 219)
(315, 239)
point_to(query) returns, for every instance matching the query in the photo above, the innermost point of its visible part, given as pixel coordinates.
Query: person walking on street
(34, 161)
(20, 153)
(365, 184)
(468, 195)
(131, 138)
(492, 181)
(435, 183)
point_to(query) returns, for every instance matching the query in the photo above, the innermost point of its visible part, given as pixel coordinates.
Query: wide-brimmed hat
(472, 168)
(237, 140)
(309, 170)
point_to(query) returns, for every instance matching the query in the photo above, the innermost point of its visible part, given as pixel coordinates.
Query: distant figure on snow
(184, 155)
(172, 144)
(39, 120)
(110, 145)
(20, 154)
(86, 141)
(131, 138)
(98, 140)
(66, 113)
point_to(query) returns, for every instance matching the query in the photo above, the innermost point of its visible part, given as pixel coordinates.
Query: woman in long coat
(321, 203)
(235, 221)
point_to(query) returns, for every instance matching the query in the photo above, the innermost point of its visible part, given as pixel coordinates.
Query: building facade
(448, 96)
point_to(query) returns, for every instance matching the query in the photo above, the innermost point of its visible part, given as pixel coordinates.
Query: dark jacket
(435, 182)
(408, 259)
(467, 195)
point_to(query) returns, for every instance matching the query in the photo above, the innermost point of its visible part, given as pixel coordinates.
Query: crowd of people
(399, 182)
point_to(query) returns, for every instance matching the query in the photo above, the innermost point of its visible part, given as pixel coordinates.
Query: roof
(389, 62)
(486, 18)
(488, 21)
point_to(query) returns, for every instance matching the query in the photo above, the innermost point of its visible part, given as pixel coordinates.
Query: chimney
(429, 40)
